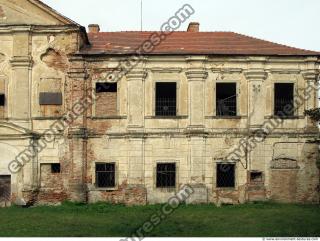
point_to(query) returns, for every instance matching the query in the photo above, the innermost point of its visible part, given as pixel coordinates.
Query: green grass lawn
(102, 220)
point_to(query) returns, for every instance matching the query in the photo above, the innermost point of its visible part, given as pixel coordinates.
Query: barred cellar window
(166, 175)
(105, 175)
(225, 175)
(166, 99)
(226, 99)
(283, 99)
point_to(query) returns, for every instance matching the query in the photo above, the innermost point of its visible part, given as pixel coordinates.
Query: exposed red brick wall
(106, 104)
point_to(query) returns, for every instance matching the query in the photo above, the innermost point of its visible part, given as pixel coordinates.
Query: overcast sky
(290, 22)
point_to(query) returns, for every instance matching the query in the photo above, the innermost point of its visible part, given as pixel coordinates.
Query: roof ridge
(283, 45)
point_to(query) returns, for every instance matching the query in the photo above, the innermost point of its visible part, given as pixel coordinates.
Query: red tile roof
(220, 43)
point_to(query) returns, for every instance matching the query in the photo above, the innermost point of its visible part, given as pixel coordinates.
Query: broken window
(226, 99)
(166, 99)
(225, 175)
(5, 188)
(166, 175)
(105, 175)
(55, 168)
(256, 176)
(283, 99)
(106, 94)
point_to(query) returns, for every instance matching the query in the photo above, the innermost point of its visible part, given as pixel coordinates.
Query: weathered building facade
(175, 116)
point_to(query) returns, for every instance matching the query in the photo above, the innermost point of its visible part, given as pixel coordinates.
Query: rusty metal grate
(105, 175)
(225, 175)
(166, 175)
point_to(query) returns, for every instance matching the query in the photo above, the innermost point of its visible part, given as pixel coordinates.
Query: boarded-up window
(226, 175)
(50, 177)
(5, 188)
(50, 97)
(106, 94)
(166, 175)
(106, 175)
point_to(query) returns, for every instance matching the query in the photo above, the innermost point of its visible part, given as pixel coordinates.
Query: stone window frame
(94, 184)
(93, 93)
(237, 81)
(236, 175)
(165, 189)
(6, 99)
(295, 91)
(154, 90)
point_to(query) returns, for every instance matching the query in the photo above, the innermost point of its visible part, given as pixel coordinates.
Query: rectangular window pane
(226, 99)
(166, 175)
(166, 95)
(283, 99)
(225, 175)
(105, 175)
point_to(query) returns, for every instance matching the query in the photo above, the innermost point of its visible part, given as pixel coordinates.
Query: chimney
(194, 27)
(94, 28)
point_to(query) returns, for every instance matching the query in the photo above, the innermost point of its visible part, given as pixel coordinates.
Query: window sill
(167, 117)
(225, 117)
(285, 118)
(47, 118)
(226, 188)
(166, 189)
(105, 189)
(115, 117)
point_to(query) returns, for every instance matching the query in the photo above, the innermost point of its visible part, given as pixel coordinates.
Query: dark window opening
(283, 99)
(106, 87)
(226, 99)
(166, 99)
(166, 175)
(105, 175)
(226, 175)
(2, 99)
(50, 98)
(256, 176)
(55, 168)
(5, 188)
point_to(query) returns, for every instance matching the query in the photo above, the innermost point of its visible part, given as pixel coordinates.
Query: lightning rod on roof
(141, 15)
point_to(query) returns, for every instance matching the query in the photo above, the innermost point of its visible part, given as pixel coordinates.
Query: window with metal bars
(226, 99)
(166, 175)
(283, 99)
(226, 175)
(166, 99)
(55, 168)
(105, 175)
